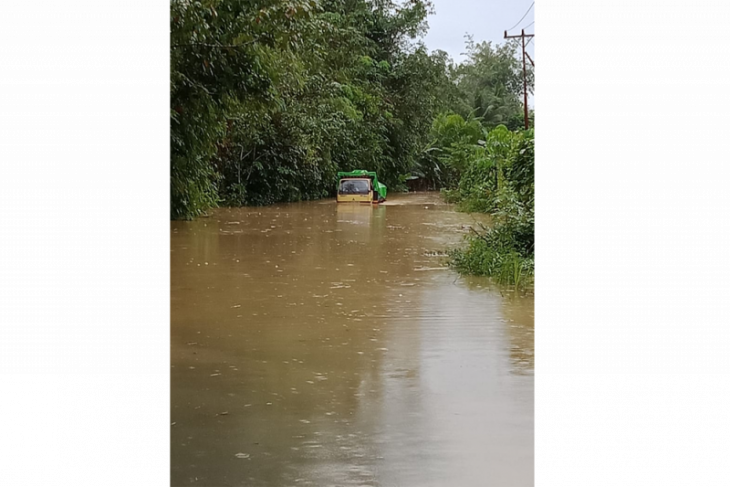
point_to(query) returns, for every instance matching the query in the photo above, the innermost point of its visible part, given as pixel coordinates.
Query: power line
(523, 17)
(525, 27)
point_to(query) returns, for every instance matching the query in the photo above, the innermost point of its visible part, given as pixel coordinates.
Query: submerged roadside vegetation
(498, 177)
(489, 171)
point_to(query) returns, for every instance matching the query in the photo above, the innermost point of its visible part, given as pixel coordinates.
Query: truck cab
(355, 189)
(361, 187)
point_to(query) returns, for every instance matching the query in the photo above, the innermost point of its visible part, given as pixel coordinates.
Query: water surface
(317, 344)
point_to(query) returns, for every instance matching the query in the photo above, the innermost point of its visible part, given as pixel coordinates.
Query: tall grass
(499, 179)
(486, 254)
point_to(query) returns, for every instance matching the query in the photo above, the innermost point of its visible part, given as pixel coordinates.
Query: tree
(490, 82)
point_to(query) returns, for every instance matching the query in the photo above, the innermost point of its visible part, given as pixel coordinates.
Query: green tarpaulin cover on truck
(377, 185)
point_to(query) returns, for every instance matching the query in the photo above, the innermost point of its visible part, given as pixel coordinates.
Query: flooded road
(317, 344)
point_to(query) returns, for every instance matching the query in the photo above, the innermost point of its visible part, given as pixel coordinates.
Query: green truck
(360, 186)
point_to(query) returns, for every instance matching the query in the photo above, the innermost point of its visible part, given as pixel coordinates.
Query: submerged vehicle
(360, 186)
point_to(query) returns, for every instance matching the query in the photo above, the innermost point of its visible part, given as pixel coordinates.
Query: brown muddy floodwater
(317, 344)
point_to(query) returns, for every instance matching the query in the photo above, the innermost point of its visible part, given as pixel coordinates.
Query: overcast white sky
(486, 20)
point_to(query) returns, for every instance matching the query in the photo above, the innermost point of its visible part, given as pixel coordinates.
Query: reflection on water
(326, 345)
(520, 315)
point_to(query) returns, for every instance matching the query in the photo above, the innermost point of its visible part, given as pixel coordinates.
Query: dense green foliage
(489, 84)
(499, 178)
(485, 92)
(270, 99)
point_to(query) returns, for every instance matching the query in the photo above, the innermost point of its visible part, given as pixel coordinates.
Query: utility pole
(523, 36)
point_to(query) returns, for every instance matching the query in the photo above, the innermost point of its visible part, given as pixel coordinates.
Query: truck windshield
(354, 186)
